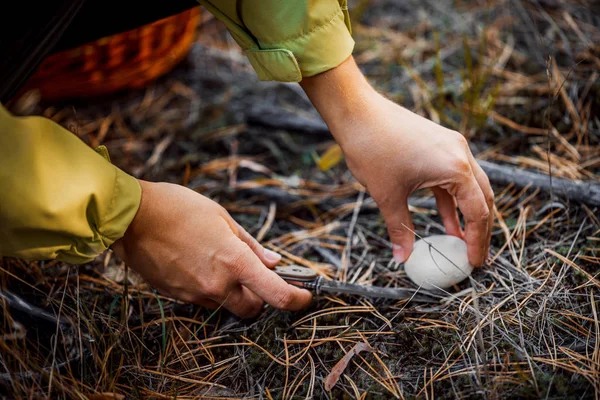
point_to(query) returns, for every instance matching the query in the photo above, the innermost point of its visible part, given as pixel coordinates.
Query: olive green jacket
(60, 199)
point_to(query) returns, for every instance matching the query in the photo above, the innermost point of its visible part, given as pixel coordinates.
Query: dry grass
(520, 79)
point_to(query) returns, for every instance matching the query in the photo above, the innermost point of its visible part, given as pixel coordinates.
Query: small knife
(308, 279)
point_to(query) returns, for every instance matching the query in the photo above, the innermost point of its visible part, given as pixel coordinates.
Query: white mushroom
(438, 261)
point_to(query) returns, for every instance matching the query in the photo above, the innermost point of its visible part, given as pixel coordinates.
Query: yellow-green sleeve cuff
(60, 198)
(286, 40)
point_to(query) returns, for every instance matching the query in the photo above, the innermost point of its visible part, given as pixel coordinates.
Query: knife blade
(309, 279)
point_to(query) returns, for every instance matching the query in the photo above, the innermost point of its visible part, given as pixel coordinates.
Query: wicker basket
(126, 60)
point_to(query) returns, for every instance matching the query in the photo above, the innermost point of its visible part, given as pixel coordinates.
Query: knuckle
(460, 139)
(488, 194)
(283, 300)
(460, 167)
(489, 198)
(398, 231)
(382, 199)
(485, 214)
(235, 261)
(486, 186)
(212, 290)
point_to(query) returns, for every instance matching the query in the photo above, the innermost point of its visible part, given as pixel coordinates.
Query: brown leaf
(341, 365)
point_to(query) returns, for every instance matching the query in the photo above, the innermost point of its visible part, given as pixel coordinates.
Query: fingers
(267, 284)
(473, 206)
(268, 257)
(242, 302)
(488, 194)
(447, 209)
(400, 228)
(239, 300)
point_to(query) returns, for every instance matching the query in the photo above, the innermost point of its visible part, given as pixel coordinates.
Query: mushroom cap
(438, 261)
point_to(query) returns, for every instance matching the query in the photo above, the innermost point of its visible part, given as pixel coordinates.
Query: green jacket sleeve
(286, 40)
(59, 199)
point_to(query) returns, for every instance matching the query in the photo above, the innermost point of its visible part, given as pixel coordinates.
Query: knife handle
(296, 273)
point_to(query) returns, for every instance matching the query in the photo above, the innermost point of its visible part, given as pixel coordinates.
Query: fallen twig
(587, 192)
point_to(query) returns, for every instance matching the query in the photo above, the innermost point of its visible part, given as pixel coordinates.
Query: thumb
(400, 228)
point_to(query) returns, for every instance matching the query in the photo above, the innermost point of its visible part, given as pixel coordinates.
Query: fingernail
(272, 256)
(398, 253)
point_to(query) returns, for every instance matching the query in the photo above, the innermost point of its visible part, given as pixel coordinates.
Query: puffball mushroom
(438, 261)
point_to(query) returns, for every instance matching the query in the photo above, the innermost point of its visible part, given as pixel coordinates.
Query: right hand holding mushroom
(393, 152)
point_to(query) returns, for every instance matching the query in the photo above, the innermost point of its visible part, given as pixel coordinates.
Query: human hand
(394, 152)
(189, 248)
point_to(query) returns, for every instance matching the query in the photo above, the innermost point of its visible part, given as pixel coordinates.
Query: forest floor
(520, 79)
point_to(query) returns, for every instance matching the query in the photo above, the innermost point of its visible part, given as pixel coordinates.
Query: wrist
(340, 95)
